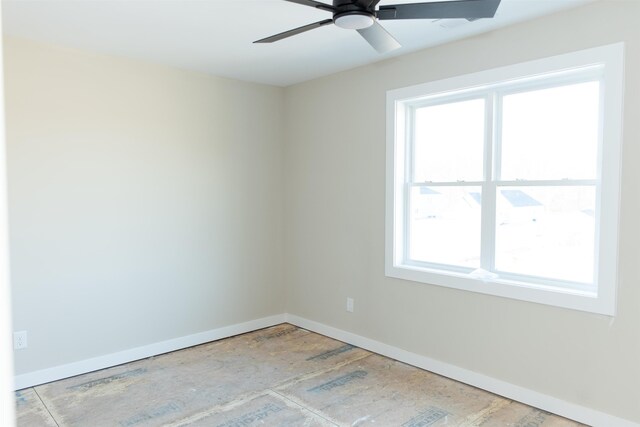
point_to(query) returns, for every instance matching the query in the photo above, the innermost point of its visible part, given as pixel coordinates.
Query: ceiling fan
(362, 15)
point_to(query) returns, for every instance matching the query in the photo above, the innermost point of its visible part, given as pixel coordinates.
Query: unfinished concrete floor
(279, 376)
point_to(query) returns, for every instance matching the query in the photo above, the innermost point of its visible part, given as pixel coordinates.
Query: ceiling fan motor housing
(353, 16)
(354, 20)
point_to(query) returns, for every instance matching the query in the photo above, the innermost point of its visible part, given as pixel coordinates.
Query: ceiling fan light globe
(354, 21)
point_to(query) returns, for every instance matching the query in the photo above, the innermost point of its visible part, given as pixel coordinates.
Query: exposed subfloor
(279, 376)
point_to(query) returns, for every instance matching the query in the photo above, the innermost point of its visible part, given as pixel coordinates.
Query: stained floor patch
(266, 410)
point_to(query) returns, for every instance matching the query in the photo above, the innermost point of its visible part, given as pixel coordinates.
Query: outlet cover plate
(19, 340)
(350, 305)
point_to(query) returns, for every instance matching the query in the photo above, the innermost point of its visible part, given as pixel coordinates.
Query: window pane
(449, 142)
(444, 225)
(546, 232)
(551, 133)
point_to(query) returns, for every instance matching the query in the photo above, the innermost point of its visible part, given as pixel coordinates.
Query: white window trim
(602, 301)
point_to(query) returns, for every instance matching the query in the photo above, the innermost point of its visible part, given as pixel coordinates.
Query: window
(506, 182)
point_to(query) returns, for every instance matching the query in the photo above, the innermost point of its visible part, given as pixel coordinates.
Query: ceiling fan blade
(379, 38)
(366, 4)
(316, 4)
(469, 9)
(295, 31)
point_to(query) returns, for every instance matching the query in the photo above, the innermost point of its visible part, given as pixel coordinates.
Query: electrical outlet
(350, 305)
(19, 340)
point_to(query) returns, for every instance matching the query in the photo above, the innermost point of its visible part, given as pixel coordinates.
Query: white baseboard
(533, 398)
(101, 362)
(539, 400)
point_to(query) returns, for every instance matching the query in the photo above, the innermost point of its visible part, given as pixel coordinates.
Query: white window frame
(607, 63)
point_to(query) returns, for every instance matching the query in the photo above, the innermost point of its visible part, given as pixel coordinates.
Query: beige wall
(334, 211)
(145, 202)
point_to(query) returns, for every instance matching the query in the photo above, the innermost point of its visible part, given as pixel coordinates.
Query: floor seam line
(198, 416)
(46, 407)
(305, 407)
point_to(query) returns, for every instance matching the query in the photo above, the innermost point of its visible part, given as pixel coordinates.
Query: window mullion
(491, 164)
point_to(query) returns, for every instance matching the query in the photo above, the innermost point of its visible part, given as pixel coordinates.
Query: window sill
(540, 293)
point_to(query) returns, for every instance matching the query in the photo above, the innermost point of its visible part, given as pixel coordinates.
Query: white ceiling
(215, 36)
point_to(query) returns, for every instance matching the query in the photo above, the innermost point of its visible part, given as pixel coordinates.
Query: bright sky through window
(551, 133)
